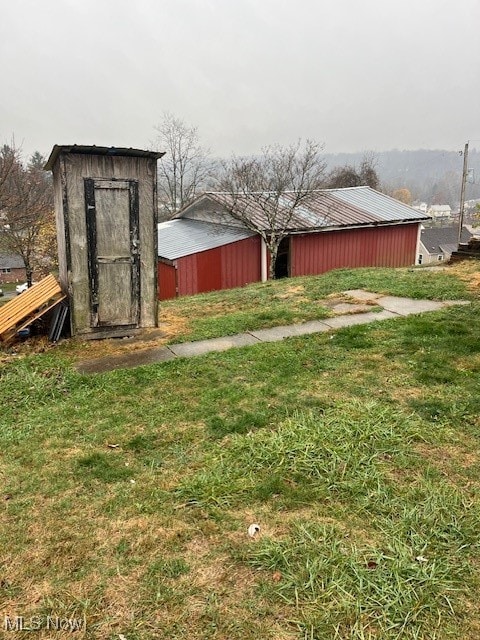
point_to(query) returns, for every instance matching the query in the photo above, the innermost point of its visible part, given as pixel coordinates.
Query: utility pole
(462, 193)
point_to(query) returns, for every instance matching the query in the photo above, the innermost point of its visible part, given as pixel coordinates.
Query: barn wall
(241, 263)
(232, 265)
(187, 275)
(393, 246)
(71, 170)
(167, 280)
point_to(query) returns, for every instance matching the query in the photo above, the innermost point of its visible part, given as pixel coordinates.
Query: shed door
(112, 228)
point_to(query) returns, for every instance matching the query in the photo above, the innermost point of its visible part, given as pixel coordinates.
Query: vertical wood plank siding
(226, 267)
(315, 253)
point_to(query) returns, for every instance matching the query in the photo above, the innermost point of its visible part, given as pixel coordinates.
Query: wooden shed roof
(98, 151)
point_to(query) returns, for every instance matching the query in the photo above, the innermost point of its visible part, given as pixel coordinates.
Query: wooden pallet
(28, 306)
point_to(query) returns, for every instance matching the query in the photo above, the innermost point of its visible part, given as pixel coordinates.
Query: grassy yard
(294, 300)
(126, 497)
(7, 289)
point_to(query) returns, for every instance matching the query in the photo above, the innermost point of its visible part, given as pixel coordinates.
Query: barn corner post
(105, 203)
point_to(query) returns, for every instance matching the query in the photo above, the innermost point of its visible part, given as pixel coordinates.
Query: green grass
(294, 300)
(126, 496)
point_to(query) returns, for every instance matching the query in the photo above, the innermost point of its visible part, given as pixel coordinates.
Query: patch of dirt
(344, 308)
(448, 455)
(469, 272)
(335, 299)
(290, 292)
(171, 325)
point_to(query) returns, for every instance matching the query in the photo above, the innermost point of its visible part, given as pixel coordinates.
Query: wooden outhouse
(105, 204)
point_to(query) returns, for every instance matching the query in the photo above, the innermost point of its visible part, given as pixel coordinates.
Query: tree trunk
(273, 250)
(29, 272)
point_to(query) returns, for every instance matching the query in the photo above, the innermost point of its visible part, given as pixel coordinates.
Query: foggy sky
(356, 75)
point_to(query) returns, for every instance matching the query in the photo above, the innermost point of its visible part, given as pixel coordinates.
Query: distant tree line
(431, 176)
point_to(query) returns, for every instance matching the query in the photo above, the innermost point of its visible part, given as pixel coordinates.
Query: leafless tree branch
(186, 167)
(266, 191)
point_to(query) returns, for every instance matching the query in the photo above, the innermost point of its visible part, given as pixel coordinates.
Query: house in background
(438, 243)
(420, 206)
(338, 228)
(12, 268)
(440, 212)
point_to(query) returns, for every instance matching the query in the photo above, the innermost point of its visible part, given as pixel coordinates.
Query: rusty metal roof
(324, 209)
(98, 151)
(183, 237)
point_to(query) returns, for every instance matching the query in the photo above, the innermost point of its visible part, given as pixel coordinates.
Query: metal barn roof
(324, 209)
(385, 208)
(183, 237)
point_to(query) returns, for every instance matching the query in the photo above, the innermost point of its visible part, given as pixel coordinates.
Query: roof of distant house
(439, 208)
(11, 261)
(324, 209)
(183, 237)
(442, 239)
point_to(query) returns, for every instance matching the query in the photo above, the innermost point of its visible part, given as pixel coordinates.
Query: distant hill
(433, 176)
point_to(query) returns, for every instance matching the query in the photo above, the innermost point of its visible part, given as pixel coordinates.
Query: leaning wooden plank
(28, 306)
(30, 299)
(37, 315)
(10, 333)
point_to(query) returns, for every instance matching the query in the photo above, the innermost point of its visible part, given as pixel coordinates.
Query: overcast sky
(356, 75)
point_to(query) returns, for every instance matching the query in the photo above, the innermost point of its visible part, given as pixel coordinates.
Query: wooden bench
(28, 306)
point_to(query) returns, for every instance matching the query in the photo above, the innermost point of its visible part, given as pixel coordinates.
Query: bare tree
(265, 192)
(350, 176)
(185, 168)
(26, 202)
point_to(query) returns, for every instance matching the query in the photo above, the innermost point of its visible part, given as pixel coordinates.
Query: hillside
(433, 176)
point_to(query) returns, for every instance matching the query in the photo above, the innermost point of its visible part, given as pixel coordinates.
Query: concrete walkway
(392, 307)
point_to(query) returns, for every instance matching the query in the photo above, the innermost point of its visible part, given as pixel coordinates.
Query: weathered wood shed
(106, 203)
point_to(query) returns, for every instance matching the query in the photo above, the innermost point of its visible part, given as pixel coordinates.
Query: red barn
(196, 256)
(205, 247)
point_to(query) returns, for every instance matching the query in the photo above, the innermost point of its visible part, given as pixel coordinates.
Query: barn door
(113, 256)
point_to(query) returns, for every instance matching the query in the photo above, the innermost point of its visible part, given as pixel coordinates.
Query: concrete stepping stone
(188, 349)
(361, 318)
(126, 360)
(275, 334)
(407, 306)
